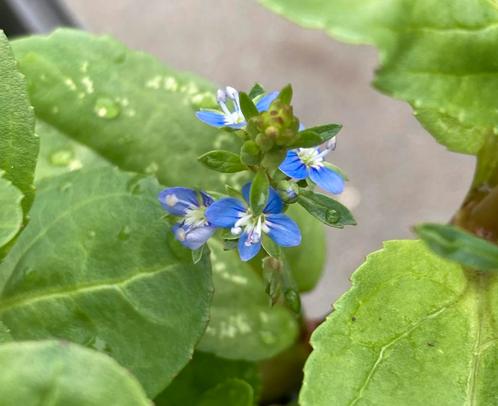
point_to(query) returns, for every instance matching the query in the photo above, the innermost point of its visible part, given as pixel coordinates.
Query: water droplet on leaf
(332, 216)
(267, 337)
(61, 157)
(124, 233)
(107, 108)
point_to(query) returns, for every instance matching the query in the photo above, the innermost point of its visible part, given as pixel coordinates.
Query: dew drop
(332, 216)
(124, 233)
(152, 168)
(61, 157)
(107, 108)
(267, 337)
(66, 186)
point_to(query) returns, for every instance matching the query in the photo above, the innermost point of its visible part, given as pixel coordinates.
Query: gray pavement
(399, 174)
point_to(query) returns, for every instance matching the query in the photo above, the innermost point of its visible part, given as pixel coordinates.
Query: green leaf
(439, 56)
(270, 246)
(250, 154)
(98, 93)
(97, 265)
(10, 212)
(414, 329)
(60, 154)
(285, 94)
(18, 142)
(256, 90)
(222, 161)
(233, 392)
(455, 244)
(62, 374)
(260, 189)
(307, 260)
(307, 139)
(247, 106)
(325, 209)
(326, 132)
(242, 324)
(203, 373)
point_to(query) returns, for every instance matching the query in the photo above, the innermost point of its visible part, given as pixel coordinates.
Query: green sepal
(256, 90)
(326, 209)
(293, 300)
(260, 190)
(198, 253)
(285, 95)
(250, 154)
(272, 275)
(247, 106)
(222, 161)
(271, 247)
(231, 191)
(458, 245)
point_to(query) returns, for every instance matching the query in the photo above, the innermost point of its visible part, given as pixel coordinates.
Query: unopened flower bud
(288, 191)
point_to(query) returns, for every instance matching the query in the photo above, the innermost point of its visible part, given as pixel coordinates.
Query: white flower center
(231, 117)
(195, 217)
(311, 157)
(253, 225)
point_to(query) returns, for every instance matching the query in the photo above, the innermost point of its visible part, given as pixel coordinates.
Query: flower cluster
(286, 160)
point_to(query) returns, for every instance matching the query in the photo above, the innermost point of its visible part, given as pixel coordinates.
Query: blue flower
(236, 215)
(193, 230)
(232, 118)
(305, 163)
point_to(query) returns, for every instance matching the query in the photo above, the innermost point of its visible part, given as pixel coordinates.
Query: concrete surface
(399, 174)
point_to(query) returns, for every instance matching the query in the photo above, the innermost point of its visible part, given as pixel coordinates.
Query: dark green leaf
(260, 190)
(242, 324)
(205, 372)
(256, 90)
(97, 92)
(326, 132)
(458, 245)
(285, 94)
(62, 374)
(326, 209)
(307, 139)
(415, 329)
(18, 142)
(247, 106)
(222, 161)
(307, 260)
(233, 392)
(97, 265)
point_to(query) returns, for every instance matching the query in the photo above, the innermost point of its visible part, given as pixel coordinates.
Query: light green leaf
(439, 56)
(307, 260)
(62, 374)
(243, 325)
(97, 265)
(260, 189)
(233, 392)
(10, 210)
(205, 372)
(125, 105)
(415, 329)
(460, 246)
(60, 154)
(222, 161)
(18, 142)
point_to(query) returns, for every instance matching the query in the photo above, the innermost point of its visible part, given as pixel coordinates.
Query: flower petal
(293, 166)
(225, 212)
(274, 204)
(212, 118)
(236, 125)
(207, 200)
(327, 179)
(248, 251)
(263, 104)
(195, 237)
(283, 230)
(176, 200)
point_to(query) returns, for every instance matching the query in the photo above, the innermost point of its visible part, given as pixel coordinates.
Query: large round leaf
(243, 325)
(63, 374)
(97, 265)
(415, 329)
